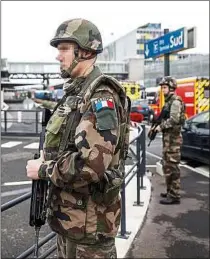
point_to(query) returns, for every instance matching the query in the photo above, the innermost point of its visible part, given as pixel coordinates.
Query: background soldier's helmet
(82, 32)
(170, 81)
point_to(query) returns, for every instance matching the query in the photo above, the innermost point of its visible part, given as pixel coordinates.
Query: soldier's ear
(87, 54)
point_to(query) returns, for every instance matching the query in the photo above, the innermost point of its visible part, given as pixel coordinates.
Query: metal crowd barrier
(139, 164)
(21, 122)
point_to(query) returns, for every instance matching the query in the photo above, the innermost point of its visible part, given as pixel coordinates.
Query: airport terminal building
(132, 44)
(130, 49)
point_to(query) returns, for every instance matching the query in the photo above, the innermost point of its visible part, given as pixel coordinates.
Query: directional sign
(168, 43)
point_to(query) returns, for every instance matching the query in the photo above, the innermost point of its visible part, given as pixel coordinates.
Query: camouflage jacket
(46, 104)
(96, 147)
(176, 114)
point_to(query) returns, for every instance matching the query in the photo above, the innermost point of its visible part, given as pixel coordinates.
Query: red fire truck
(194, 91)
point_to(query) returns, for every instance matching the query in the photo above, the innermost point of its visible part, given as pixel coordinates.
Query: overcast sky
(27, 27)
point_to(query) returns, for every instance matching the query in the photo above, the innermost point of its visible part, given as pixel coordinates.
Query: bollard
(138, 154)
(143, 157)
(19, 115)
(40, 117)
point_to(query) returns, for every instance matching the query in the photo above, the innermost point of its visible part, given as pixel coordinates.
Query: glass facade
(195, 65)
(146, 33)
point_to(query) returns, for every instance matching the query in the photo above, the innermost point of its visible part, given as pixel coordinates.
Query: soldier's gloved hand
(37, 100)
(158, 128)
(33, 166)
(150, 131)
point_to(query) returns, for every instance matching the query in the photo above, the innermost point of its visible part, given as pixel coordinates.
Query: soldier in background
(45, 103)
(172, 140)
(85, 147)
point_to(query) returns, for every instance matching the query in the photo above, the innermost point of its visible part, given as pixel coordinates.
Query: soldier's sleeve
(49, 104)
(175, 114)
(96, 138)
(45, 103)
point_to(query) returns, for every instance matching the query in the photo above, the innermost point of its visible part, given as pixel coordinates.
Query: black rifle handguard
(38, 204)
(163, 115)
(39, 187)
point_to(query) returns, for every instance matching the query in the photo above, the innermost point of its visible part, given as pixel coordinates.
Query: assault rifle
(153, 132)
(38, 206)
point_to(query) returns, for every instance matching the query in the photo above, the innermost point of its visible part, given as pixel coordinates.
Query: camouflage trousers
(170, 163)
(171, 171)
(68, 249)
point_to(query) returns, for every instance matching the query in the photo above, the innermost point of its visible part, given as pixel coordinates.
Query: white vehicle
(152, 93)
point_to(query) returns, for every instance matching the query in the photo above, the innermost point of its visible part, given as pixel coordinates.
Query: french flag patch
(104, 103)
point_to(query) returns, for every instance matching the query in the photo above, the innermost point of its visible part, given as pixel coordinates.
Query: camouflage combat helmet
(170, 81)
(82, 32)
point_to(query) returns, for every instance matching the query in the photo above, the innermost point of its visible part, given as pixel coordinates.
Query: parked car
(43, 94)
(196, 138)
(136, 117)
(141, 106)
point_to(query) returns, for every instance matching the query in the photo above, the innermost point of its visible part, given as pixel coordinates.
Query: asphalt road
(17, 235)
(176, 231)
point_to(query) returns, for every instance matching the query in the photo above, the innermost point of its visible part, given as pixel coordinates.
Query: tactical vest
(182, 114)
(87, 92)
(106, 191)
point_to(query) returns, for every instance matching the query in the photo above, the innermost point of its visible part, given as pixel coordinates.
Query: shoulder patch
(104, 103)
(105, 112)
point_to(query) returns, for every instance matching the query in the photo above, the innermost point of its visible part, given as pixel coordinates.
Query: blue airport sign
(171, 42)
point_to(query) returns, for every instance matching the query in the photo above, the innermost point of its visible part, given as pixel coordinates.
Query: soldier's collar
(96, 72)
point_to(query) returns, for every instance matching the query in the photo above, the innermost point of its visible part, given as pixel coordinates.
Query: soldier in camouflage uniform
(85, 147)
(172, 140)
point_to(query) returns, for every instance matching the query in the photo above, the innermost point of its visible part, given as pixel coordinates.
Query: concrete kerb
(134, 214)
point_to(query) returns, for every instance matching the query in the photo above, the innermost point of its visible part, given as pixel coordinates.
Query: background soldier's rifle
(153, 132)
(39, 189)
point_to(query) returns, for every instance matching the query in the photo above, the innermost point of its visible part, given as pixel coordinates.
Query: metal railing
(140, 165)
(21, 122)
(140, 168)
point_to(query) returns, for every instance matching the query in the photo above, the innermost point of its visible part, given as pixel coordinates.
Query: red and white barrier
(134, 124)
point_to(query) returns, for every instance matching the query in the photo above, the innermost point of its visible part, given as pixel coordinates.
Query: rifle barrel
(149, 143)
(36, 247)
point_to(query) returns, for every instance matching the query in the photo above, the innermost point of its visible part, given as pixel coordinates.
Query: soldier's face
(165, 89)
(65, 54)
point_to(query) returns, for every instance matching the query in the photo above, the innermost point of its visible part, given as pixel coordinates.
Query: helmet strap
(171, 90)
(67, 73)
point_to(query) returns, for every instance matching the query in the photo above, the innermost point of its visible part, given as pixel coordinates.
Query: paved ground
(16, 235)
(176, 231)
